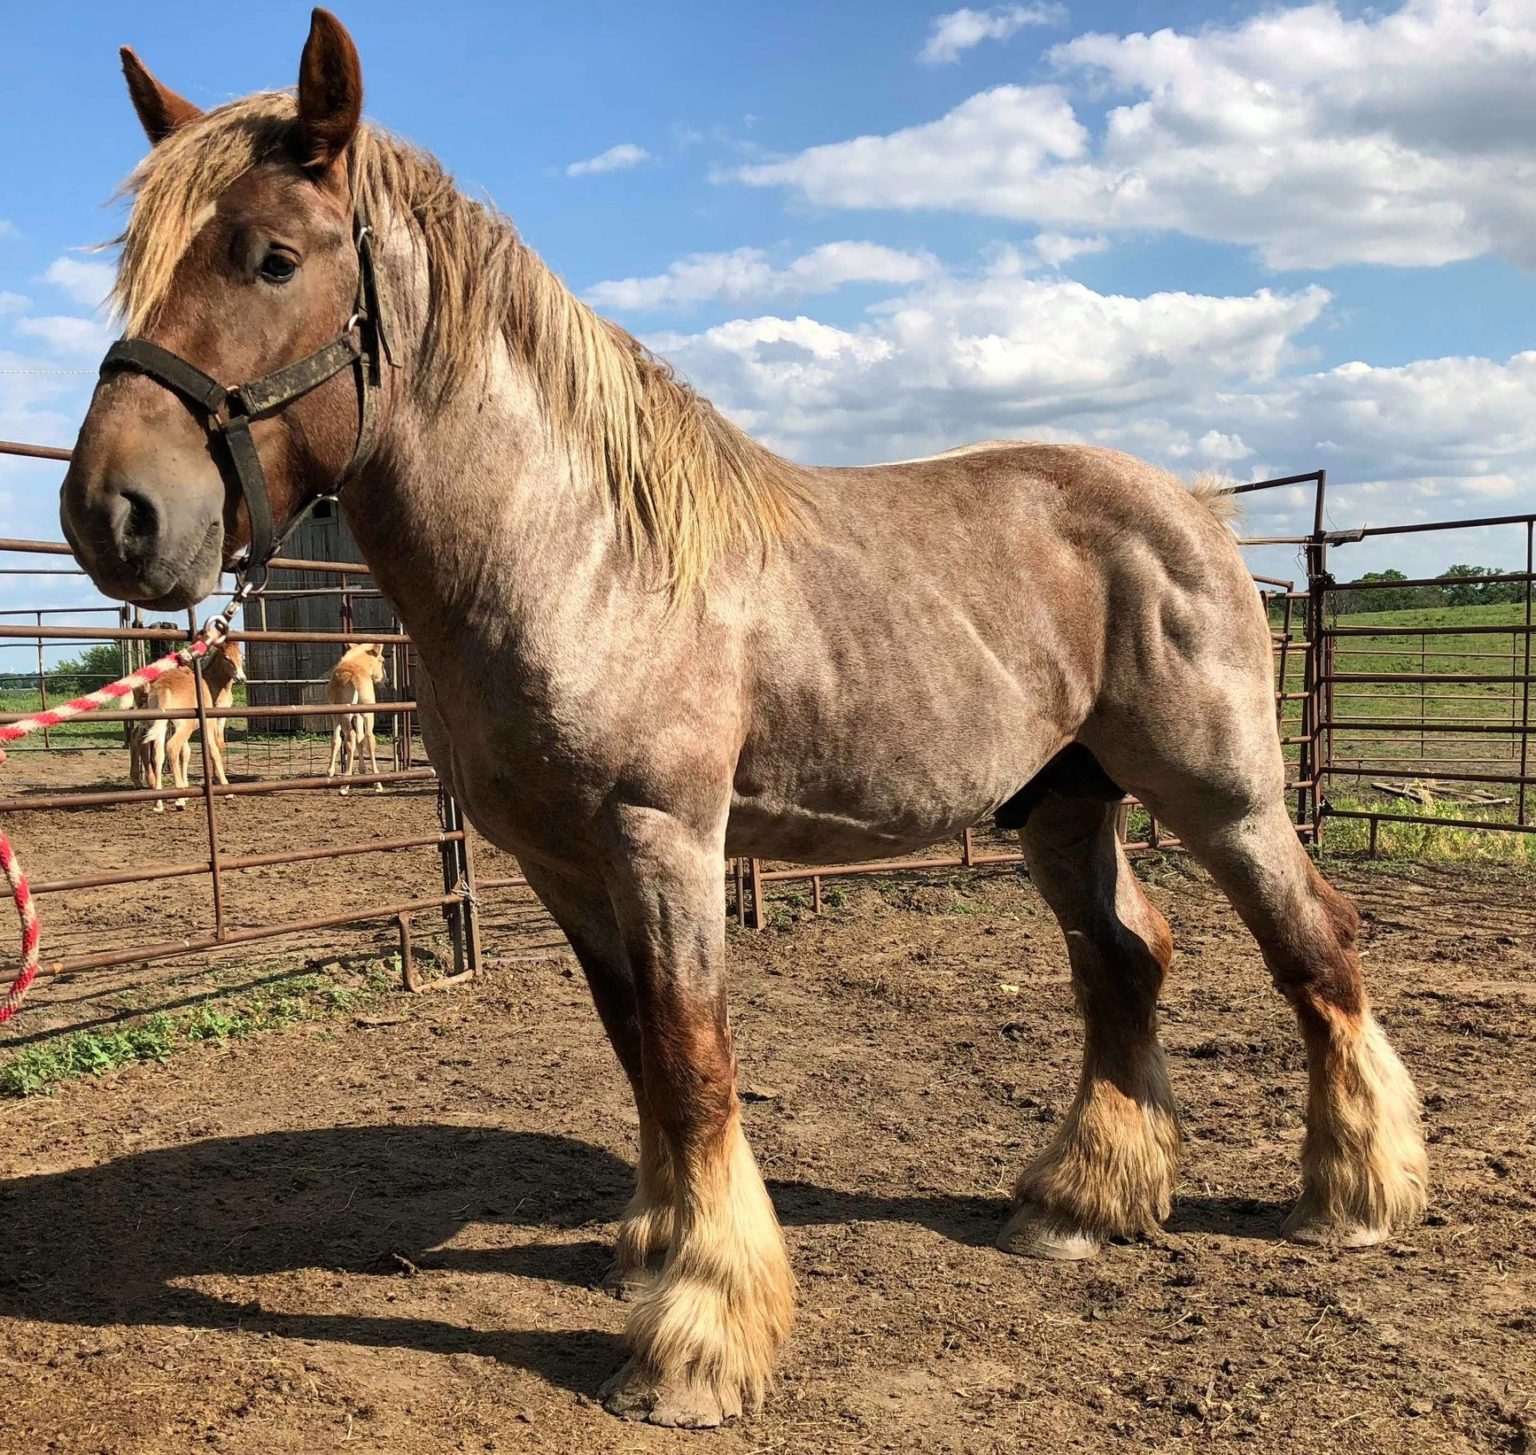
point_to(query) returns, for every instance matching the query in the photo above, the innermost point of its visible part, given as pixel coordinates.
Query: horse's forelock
(176, 188)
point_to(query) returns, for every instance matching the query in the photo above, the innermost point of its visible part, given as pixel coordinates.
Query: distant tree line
(1472, 592)
(93, 667)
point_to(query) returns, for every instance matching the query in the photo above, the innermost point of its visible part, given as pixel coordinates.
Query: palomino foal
(166, 740)
(652, 642)
(353, 681)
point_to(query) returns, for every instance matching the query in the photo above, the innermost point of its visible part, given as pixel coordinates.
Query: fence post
(462, 917)
(1319, 671)
(754, 871)
(1525, 710)
(204, 727)
(42, 676)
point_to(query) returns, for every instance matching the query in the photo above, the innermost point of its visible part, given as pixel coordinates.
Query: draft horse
(652, 643)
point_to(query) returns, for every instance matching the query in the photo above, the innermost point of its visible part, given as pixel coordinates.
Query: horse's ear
(160, 109)
(330, 93)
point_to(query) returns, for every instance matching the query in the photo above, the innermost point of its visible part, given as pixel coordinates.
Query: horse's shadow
(117, 1243)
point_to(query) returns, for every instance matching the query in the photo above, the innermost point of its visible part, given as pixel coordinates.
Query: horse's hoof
(1307, 1223)
(627, 1281)
(633, 1394)
(378, 787)
(1032, 1232)
(345, 791)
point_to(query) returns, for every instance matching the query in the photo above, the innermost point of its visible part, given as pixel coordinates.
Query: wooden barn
(317, 601)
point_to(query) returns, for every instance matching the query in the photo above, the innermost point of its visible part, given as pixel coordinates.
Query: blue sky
(1256, 240)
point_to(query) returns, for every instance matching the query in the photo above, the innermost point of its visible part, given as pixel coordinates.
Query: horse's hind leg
(349, 756)
(1364, 1170)
(1109, 1170)
(585, 915)
(1202, 753)
(216, 751)
(154, 759)
(373, 754)
(336, 732)
(181, 758)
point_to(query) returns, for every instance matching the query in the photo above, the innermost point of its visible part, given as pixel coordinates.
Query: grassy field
(88, 731)
(1428, 729)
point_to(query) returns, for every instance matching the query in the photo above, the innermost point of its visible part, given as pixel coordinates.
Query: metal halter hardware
(229, 410)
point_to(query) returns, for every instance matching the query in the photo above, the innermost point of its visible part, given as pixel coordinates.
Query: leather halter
(364, 342)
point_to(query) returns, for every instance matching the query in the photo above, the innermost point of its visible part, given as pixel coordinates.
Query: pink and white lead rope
(214, 632)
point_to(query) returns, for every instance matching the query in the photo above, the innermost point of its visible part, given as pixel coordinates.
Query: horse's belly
(865, 812)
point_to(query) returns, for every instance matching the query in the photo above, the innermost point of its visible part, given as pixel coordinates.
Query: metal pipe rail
(183, 714)
(150, 634)
(154, 872)
(109, 798)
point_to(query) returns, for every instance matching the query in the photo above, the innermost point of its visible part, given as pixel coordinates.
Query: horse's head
(232, 654)
(371, 657)
(240, 258)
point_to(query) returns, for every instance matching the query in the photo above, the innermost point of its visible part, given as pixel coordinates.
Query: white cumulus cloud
(62, 334)
(953, 34)
(86, 282)
(747, 273)
(999, 352)
(1400, 138)
(616, 158)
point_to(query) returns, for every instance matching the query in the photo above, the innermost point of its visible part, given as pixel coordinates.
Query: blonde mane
(686, 486)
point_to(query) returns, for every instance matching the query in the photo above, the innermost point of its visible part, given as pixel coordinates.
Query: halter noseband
(229, 410)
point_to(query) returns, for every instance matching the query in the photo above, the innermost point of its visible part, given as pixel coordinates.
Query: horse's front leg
(706, 1334)
(584, 911)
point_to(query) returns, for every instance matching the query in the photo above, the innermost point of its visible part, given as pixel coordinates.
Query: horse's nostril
(139, 523)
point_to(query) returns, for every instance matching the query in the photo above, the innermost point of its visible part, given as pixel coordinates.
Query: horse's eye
(277, 268)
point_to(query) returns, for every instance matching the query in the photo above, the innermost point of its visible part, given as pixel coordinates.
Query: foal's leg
(1109, 1170)
(154, 758)
(216, 751)
(705, 1335)
(336, 732)
(373, 752)
(585, 914)
(349, 755)
(181, 755)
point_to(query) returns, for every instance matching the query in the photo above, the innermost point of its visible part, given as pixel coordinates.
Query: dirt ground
(383, 1232)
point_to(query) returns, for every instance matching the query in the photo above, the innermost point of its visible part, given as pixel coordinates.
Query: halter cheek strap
(364, 343)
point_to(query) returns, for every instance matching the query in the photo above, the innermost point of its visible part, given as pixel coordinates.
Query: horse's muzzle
(135, 547)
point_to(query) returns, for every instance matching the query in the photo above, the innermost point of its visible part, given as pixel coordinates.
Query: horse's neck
(478, 527)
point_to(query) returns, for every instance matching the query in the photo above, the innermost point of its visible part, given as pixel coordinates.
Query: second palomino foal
(352, 682)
